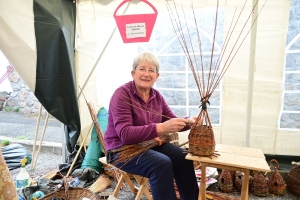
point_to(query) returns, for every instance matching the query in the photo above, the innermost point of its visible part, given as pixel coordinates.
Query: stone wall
(22, 98)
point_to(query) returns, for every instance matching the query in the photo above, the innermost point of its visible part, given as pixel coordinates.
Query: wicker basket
(202, 140)
(219, 196)
(293, 180)
(225, 181)
(276, 183)
(201, 137)
(238, 181)
(76, 193)
(260, 185)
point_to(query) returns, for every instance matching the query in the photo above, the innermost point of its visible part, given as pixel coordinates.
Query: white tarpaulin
(103, 62)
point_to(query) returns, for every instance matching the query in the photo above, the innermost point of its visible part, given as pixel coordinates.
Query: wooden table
(232, 158)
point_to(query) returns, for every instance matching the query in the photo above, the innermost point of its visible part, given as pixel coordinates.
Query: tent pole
(95, 65)
(41, 141)
(36, 134)
(251, 74)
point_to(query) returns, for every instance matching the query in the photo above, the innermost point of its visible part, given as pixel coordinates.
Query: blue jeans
(163, 164)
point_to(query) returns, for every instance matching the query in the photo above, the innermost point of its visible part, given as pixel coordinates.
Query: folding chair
(125, 178)
(142, 181)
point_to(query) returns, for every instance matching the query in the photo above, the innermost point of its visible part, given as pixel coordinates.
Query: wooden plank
(240, 150)
(228, 159)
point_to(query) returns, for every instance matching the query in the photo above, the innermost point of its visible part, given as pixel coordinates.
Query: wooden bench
(125, 178)
(232, 158)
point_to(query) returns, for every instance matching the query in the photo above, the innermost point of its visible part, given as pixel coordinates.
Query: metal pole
(251, 74)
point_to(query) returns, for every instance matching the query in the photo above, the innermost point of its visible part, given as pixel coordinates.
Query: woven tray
(73, 194)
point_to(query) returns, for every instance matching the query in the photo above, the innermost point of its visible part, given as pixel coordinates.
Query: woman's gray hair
(146, 56)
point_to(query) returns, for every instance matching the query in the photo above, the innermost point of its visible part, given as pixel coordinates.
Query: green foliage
(21, 137)
(5, 142)
(16, 109)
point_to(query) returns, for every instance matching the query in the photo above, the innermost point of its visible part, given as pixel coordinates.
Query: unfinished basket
(260, 185)
(202, 140)
(71, 194)
(201, 137)
(238, 181)
(276, 183)
(225, 181)
(293, 180)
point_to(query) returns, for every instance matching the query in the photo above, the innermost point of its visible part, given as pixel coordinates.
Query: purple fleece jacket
(131, 120)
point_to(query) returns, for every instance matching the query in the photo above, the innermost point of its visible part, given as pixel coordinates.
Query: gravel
(15, 125)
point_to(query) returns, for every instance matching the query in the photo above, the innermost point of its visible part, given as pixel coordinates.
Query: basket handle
(145, 1)
(274, 161)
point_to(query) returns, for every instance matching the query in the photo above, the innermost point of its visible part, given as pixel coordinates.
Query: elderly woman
(138, 113)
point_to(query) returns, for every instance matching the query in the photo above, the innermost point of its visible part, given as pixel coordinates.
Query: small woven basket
(76, 193)
(293, 180)
(276, 183)
(238, 182)
(260, 185)
(202, 141)
(201, 137)
(225, 181)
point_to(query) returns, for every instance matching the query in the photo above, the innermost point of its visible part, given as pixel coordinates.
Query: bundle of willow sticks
(127, 152)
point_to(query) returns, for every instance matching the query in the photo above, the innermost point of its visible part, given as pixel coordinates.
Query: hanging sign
(135, 28)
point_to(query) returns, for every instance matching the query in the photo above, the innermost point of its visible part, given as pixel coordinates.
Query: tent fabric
(272, 26)
(55, 71)
(97, 37)
(39, 41)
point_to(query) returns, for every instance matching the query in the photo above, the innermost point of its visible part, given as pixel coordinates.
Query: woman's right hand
(171, 126)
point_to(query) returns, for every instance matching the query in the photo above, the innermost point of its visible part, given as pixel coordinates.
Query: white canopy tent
(261, 114)
(251, 91)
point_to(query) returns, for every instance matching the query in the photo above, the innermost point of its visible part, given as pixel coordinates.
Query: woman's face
(144, 75)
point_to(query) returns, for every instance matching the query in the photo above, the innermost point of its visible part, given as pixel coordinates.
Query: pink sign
(136, 28)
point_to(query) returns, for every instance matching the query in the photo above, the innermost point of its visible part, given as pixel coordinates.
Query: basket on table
(201, 137)
(276, 183)
(260, 185)
(225, 181)
(293, 180)
(202, 140)
(76, 193)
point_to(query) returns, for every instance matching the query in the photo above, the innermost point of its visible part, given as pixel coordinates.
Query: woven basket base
(74, 194)
(219, 196)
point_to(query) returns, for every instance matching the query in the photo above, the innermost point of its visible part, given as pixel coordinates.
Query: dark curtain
(55, 22)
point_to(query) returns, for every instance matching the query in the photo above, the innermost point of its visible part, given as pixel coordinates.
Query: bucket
(136, 27)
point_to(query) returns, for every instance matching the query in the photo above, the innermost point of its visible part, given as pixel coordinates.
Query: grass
(21, 137)
(4, 143)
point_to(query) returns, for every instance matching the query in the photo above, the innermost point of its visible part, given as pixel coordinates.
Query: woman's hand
(171, 126)
(159, 141)
(191, 121)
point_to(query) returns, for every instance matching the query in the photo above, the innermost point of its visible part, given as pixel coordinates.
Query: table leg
(245, 186)
(202, 191)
